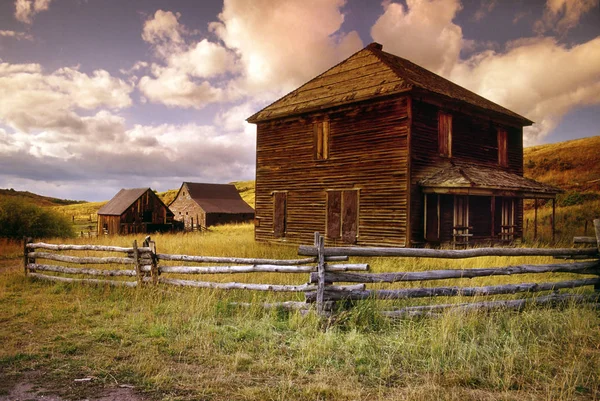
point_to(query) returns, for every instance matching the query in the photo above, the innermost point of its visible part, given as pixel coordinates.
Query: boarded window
(502, 148)
(334, 213)
(508, 227)
(342, 215)
(445, 134)
(279, 214)
(321, 134)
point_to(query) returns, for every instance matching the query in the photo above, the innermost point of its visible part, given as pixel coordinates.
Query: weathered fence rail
(330, 278)
(325, 278)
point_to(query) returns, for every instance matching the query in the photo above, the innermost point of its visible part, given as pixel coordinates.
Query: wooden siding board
(367, 151)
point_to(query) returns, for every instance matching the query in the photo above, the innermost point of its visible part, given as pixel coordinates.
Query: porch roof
(470, 179)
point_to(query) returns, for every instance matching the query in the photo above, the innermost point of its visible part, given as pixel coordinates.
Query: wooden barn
(379, 151)
(199, 205)
(133, 211)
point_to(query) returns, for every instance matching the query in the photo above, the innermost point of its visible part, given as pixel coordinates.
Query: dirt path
(26, 390)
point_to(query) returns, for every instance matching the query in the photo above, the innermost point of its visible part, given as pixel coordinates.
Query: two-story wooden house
(380, 151)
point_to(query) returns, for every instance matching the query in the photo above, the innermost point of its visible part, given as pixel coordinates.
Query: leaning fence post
(26, 258)
(136, 261)
(154, 262)
(597, 228)
(320, 245)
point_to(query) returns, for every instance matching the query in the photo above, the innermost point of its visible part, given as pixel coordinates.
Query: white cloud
(282, 44)
(538, 78)
(26, 9)
(32, 100)
(181, 77)
(16, 35)
(563, 15)
(423, 32)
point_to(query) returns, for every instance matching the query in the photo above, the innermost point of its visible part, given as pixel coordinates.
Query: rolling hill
(36, 199)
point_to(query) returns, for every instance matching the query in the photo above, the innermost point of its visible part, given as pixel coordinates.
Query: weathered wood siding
(146, 214)
(368, 151)
(185, 209)
(474, 139)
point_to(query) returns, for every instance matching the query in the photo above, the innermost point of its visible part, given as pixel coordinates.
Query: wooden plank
(254, 287)
(584, 240)
(454, 291)
(78, 270)
(307, 250)
(67, 247)
(580, 268)
(334, 212)
(279, 213)
(349, 216)
(320, 245)
(250, 261)
(515, 304)
(82, 260)
(84, 280)
(259, 268)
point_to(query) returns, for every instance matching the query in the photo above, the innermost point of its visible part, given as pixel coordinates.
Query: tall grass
(193, 344)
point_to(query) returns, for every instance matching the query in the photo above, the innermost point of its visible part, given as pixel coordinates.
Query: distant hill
(36, 199)
(571, 165)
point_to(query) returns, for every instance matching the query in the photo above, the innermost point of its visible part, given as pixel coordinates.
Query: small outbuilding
(132, 211)
(198, 205)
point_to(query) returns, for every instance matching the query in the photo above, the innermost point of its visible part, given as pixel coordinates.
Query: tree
(19, 219)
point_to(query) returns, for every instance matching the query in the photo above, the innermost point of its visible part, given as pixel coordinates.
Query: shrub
(19, 219)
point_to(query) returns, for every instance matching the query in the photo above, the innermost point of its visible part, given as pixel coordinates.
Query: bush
(19, 219)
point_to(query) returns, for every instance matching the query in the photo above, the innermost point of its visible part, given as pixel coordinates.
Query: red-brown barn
(132, 211)
(380, 151)
(199, 205)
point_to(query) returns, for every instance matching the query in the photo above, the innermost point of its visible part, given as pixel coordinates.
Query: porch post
(553, 218)
(535, 203)
(493, 211)
(425, 217)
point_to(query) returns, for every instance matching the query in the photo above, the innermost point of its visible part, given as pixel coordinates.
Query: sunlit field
(187, 344)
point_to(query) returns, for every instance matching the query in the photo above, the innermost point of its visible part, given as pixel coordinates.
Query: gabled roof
(368, 74)
(121, 201)
(455, 175)
(217, 198)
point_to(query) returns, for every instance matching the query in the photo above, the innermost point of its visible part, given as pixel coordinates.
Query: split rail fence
(331, 281)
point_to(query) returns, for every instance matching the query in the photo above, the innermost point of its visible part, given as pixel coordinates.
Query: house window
(445, 134)
(502, 147)
(321, 135)
(342, 215)
(279, 214)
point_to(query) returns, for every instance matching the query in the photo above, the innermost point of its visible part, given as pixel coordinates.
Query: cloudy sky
(96, 95)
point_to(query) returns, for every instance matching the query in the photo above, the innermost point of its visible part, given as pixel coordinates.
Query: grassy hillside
(572, 165)
(36, 199)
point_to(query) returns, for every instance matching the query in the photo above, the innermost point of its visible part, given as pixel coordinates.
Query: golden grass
(190, 344)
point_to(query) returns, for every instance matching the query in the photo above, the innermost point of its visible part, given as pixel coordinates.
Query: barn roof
(217, 198)
(121, 201)
(454, 175)
(367, 74)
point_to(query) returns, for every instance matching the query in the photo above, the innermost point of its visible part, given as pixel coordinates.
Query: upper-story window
(502, 147)
(321, 131)
(445, 134)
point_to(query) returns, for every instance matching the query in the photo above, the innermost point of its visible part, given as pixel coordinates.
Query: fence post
(153, 259)
(136, 261)
(26, 258)
(320, 245)
(597, 228)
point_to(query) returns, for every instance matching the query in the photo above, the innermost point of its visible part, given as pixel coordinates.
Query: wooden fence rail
(330, 281)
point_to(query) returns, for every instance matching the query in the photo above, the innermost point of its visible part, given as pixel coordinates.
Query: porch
(466, 204)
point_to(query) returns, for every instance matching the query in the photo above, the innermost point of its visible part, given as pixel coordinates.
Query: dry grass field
(193, 344)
